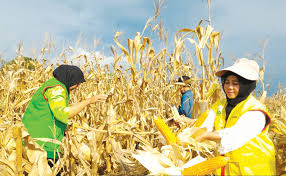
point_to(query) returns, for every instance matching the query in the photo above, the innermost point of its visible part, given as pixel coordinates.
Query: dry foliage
(277, 107)
(103, 137)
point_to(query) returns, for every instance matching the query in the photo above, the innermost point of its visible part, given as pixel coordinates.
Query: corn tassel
(206, 167)
(165, 130)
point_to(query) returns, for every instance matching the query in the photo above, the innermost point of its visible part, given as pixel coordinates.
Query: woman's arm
(56, 97)
(57, 101)
(247, 127)
(76, 108)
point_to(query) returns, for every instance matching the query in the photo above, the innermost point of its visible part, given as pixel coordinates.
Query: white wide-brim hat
(244, 67)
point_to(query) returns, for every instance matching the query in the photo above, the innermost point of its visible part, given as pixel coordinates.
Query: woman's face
(231, 86)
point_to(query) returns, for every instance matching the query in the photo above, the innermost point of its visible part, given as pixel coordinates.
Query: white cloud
(101, 58)
(28, 21)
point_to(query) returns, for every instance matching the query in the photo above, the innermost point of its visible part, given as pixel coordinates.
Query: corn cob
(206, 167)
(200, 120)
(165, 130)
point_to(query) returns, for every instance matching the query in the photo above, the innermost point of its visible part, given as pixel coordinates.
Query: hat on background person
(183, 80)
(244, 67)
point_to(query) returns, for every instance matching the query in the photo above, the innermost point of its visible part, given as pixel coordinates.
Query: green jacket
(40, 121)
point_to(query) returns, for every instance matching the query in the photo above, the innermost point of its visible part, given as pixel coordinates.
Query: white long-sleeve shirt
(247, 127)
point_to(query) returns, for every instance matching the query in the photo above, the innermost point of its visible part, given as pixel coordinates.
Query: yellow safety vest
(257, 156)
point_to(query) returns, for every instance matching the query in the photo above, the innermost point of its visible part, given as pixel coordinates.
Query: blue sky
(244, 24)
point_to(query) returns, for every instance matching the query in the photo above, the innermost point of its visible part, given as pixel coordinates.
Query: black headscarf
(245, 88)
(69, 75)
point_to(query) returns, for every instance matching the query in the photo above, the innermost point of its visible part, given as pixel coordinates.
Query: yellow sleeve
(56, 97)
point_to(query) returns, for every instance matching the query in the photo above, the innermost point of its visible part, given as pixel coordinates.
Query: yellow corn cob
(165, 130)
(200, 120)
(206, 167)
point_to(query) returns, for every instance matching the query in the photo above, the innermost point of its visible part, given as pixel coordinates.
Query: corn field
(109, 138)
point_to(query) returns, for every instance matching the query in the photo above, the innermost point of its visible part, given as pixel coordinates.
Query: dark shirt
(186, 104)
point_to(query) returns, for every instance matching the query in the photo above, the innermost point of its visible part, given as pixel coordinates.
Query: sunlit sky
(243, 23)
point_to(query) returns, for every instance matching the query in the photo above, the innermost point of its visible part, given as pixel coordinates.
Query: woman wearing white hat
(240, 123)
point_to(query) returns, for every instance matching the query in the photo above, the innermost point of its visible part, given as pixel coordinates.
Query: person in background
(185, 108)
(239, 123)
(48, 111)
